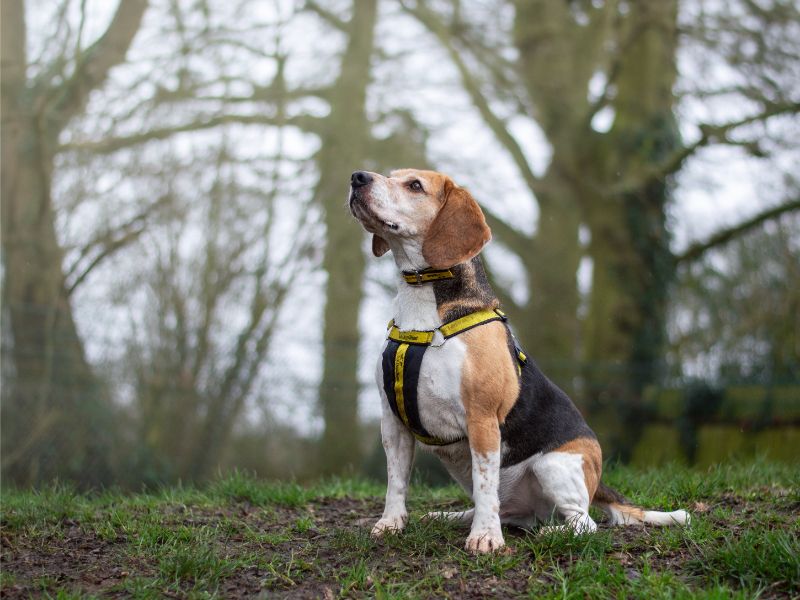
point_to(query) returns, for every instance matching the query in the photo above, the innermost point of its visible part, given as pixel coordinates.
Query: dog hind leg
(563, 489)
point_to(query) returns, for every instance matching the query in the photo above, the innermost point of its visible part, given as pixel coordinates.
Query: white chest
(439, 390)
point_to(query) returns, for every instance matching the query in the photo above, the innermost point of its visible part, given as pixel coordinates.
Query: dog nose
(360, 178)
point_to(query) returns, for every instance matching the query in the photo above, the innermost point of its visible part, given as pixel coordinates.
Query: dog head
(424, 218)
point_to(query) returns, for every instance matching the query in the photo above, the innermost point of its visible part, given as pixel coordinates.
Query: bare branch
(500, 70)
(97, 61)
(109, 243)
(698, 249)
(615, 61)
(216, 280)
(46, 70)
(709, 134)
(326, 15)
(113, 144)
(260, 94)
(79, 35)
(240, 375)
(496, 124)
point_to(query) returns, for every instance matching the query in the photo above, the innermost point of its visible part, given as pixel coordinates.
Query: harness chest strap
(447, 330)
(402, 359)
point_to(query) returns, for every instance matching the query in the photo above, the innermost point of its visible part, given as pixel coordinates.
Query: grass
(242, 537)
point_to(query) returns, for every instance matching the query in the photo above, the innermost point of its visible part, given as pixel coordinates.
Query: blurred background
(184, 291)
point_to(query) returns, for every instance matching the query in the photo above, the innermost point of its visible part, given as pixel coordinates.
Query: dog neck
(426, 306)
(414, 305)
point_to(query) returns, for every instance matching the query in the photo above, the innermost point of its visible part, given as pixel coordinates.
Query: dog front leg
(484, 442)
(398, 443)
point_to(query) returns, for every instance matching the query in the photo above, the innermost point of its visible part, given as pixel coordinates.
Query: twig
(698, 249)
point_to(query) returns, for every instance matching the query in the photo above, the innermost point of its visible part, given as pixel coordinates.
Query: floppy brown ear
(379, 246)
(458, 232)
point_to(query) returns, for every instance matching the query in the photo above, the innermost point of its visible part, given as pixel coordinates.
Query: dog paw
(484, 542)
(391, 524)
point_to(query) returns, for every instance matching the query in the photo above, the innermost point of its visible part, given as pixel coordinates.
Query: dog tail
(621, 512)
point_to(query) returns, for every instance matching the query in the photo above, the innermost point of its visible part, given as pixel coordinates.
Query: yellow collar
(426, 276)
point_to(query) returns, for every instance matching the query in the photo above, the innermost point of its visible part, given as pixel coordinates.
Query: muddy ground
(321, 550)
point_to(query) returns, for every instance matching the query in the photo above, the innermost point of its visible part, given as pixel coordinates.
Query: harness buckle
(418, 277)
(438, 338)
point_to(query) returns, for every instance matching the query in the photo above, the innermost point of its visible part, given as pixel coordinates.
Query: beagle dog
(453, 378)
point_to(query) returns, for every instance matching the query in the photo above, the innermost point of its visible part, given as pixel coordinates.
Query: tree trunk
(344, 149)
(630, 242)
(55, 414)
(548, 325)
(555, 76)
(54, 392)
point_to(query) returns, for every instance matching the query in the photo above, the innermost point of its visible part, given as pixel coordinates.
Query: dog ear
(379, 246)
(458, 232)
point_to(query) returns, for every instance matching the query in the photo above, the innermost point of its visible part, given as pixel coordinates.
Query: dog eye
(415, 186)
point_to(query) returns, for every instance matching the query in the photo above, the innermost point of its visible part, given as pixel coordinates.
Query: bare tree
(53, 379)
(199, 353)
(47, 123)
(202, 73)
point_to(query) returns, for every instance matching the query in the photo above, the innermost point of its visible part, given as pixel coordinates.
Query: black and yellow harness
(402, 358)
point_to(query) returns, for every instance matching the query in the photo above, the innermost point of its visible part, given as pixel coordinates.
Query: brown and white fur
(469, 385)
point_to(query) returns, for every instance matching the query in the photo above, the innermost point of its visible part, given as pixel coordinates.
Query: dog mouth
(361, 210)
